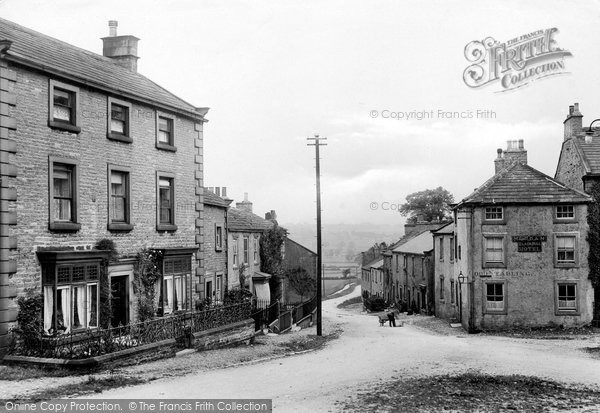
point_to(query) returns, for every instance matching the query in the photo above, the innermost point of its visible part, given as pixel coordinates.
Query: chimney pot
(245, 196)
(210, 189)
(571, 108)
(224, 192)
(112, 28)
(217, 191)
(521, 145)
(499, 150)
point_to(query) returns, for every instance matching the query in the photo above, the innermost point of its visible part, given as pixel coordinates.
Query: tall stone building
(579, 164)
(91, 150)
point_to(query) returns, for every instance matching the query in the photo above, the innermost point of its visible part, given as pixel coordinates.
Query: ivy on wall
(271, 242)
(593, 239)
(146, 274)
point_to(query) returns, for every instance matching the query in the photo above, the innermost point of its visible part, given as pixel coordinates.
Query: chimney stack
(515, 153)
(123, 49)
(574, 123)
(245, 204)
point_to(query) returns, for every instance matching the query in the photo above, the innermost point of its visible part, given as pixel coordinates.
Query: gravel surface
(367, 355)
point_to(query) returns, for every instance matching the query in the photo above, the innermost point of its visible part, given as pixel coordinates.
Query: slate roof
(213, 199)
(378, 263)
(447, 229)
(244, 221)
(417, 245)
(51, 55)
(522, 184)
(589, 152)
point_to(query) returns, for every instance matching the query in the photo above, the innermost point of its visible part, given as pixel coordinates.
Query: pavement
(366, 355)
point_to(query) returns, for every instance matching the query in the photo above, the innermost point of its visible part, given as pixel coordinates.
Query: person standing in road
(392, 318)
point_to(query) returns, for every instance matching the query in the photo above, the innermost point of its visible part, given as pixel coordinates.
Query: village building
(521, 249)
(579, 164)
(244, 229)
(297, 257)
(411, 271)
(372, 278)
(445, 281)
(212, 283)
(91, 152)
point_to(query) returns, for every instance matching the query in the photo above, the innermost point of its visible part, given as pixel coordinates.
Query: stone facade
(445, 282)
(212, 285)
(527, 283)
(32, 148)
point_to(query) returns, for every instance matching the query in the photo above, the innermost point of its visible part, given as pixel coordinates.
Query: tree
(346, 273)
(271, 242)
(431, 204)
(372, 253)
(302, 282)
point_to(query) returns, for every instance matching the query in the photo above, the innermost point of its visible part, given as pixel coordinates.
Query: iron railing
(91, 343)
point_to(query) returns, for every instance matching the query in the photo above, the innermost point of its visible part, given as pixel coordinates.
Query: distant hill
(343, 241)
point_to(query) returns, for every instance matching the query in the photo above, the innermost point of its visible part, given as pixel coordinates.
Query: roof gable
(213, 199)
(522, 184)
(417, 245)
(51, 55)
(244, 221)
(589, 152)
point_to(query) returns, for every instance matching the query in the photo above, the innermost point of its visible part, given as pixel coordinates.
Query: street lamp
(461, 281)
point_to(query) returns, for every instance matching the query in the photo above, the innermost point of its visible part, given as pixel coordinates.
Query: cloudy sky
(275, 72)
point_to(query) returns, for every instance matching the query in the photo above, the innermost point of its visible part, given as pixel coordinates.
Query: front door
(209, 291)
(119, 300)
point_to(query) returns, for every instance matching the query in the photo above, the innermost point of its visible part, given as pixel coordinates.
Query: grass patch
(547, 332)
(472, 392)
(351, 301)
(89, 386)
(309, 342)
(19, 373)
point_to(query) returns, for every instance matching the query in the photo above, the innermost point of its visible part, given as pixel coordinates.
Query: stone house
(244, 229)
(372, 278)
(212, 283)
(412, 272)
(91, 150)
(579, 164)
(445, 282)
(521, 250)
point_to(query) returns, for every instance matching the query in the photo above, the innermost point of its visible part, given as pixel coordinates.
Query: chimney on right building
(515, 153)
(574, 122)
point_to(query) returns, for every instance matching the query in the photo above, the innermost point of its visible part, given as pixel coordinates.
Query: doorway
(119, 302)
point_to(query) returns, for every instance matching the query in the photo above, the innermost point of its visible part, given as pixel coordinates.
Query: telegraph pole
(317, 143)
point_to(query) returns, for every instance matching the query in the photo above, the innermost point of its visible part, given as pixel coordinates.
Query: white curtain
(91, 308)
(48, 307)
(65, 304)
(81, 306)
(179, 292)
(168, 298)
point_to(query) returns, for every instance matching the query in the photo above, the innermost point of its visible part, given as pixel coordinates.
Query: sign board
(529, 243)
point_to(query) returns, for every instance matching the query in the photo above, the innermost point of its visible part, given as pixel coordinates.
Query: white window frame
(494, 309)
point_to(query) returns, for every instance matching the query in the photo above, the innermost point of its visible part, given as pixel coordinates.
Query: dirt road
(367, 354)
